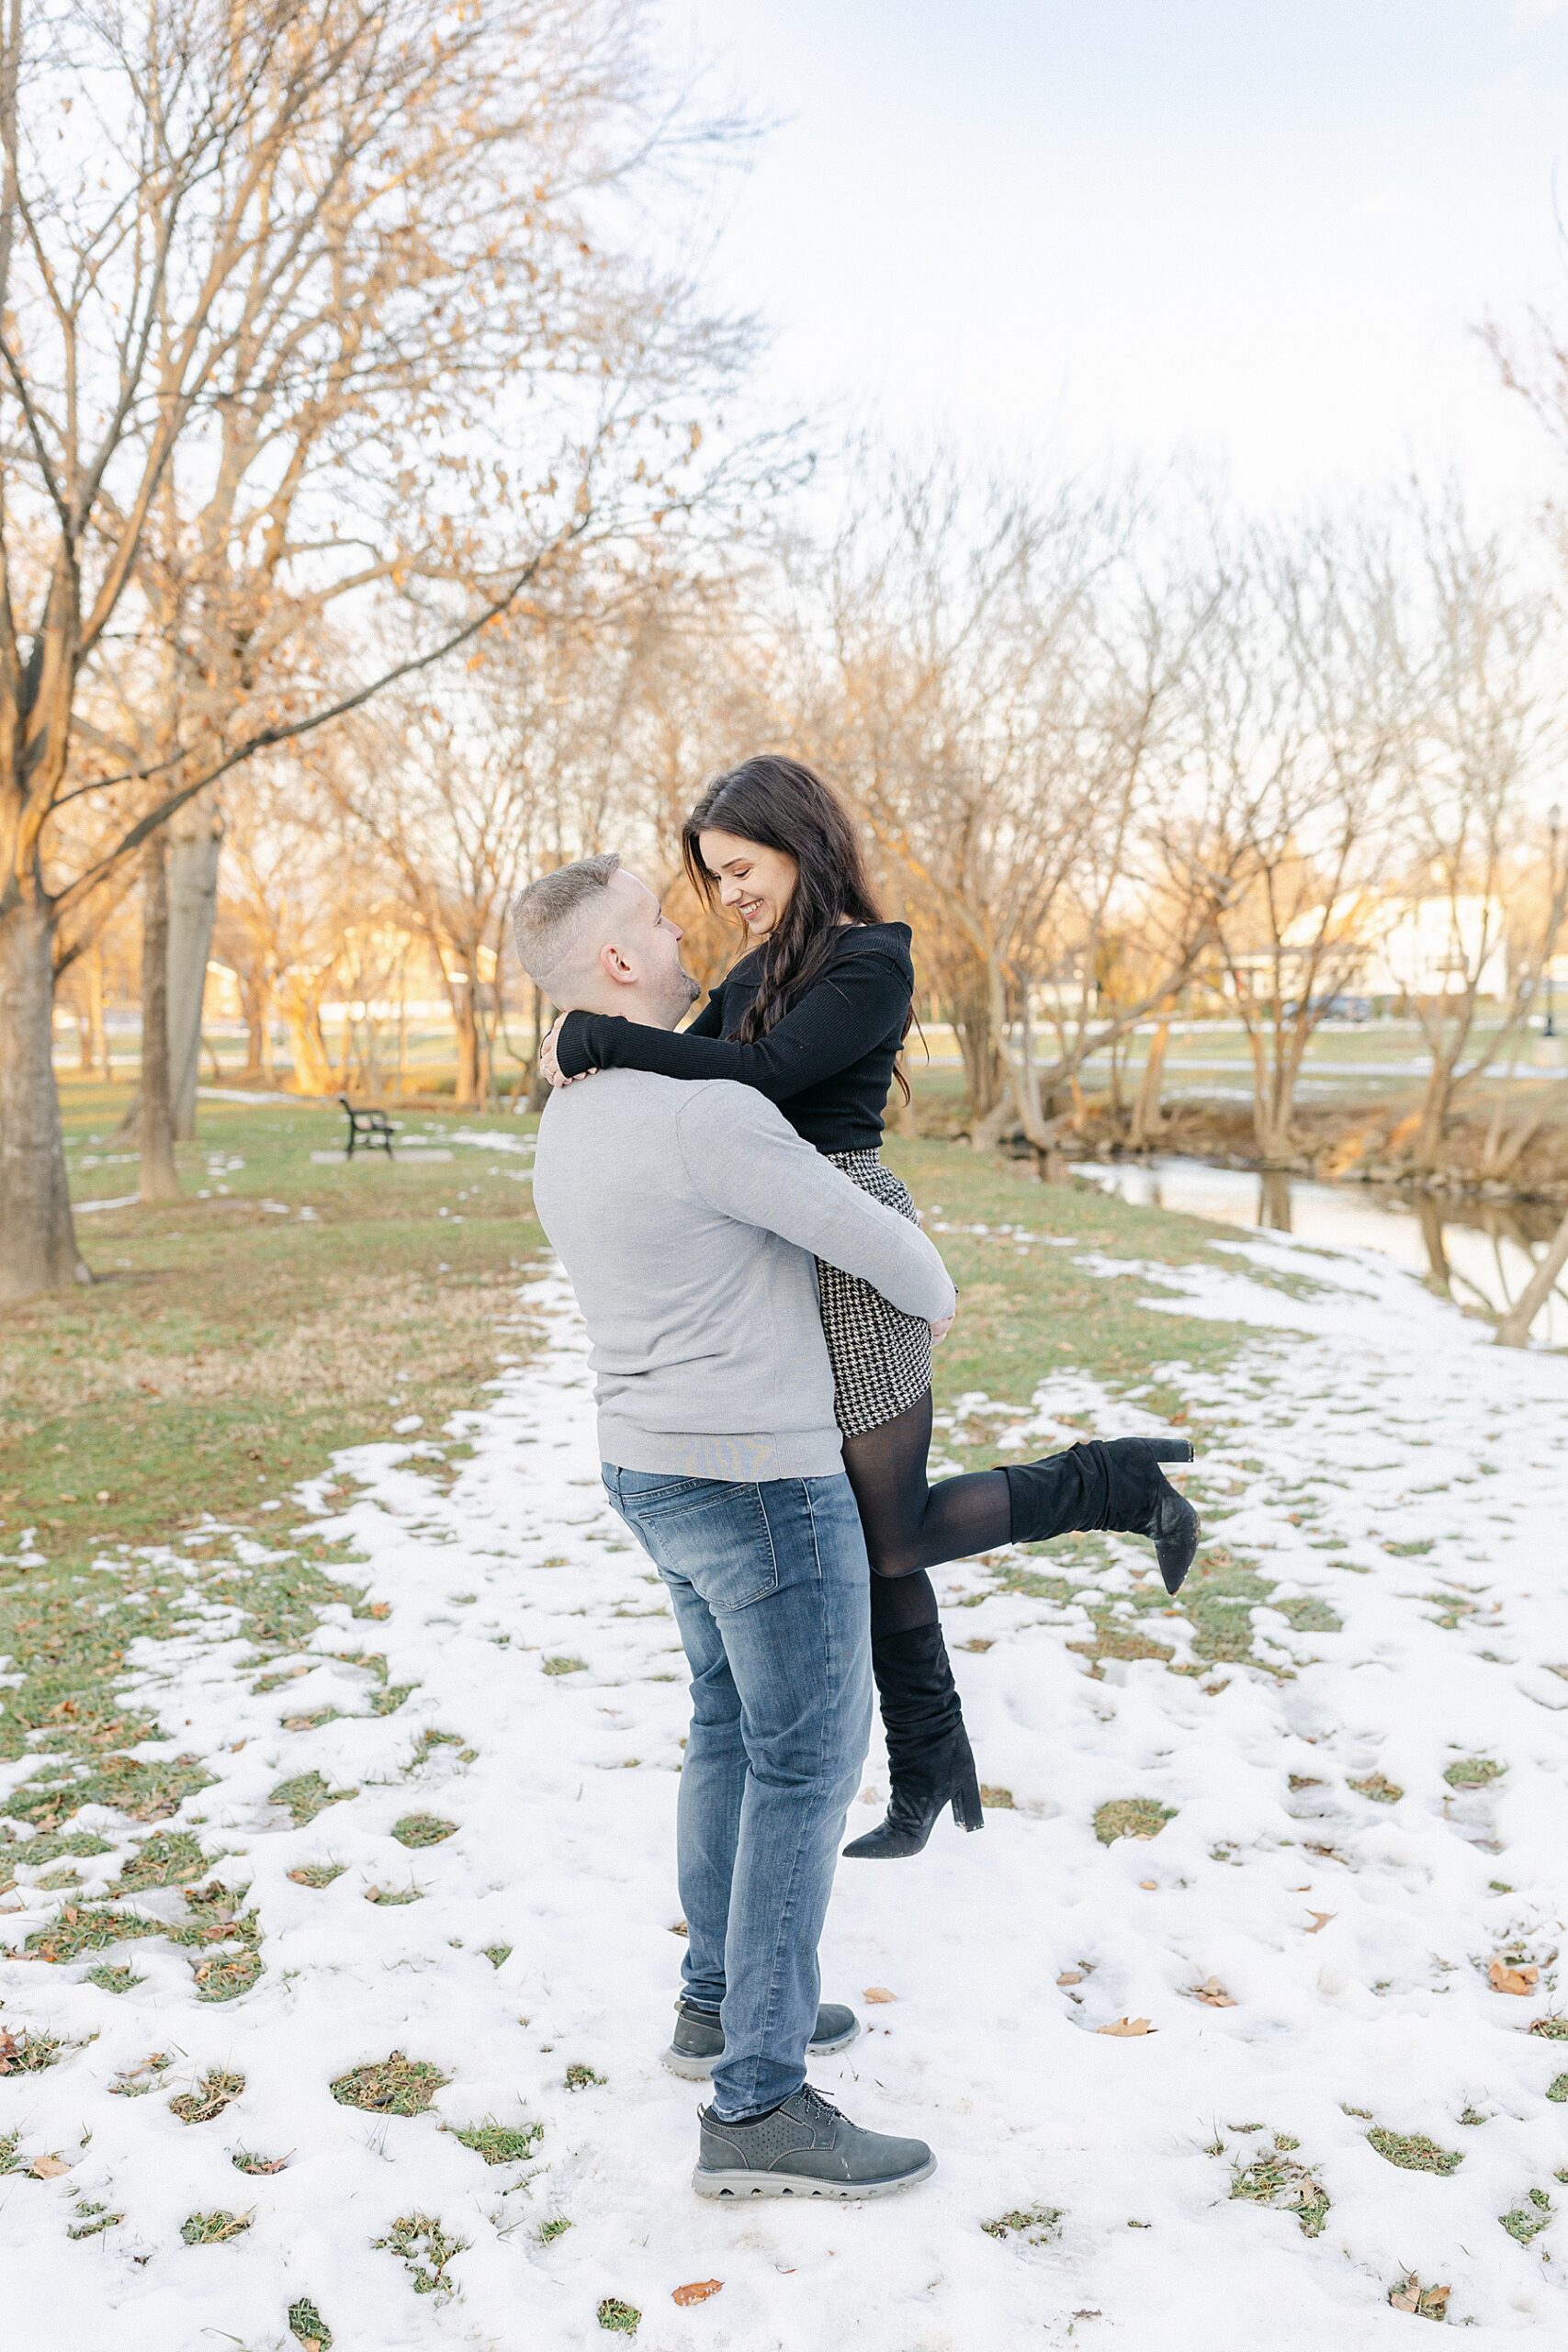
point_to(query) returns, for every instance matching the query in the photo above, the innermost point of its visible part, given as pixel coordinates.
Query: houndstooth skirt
(881, 1359)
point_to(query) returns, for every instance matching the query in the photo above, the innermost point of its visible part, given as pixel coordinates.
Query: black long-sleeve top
(827, 1064)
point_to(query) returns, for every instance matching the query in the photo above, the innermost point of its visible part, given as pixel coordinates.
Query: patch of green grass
(418, 1829)
(91, 2221)
(308, 2327)
(82, 1844)
(1020, 1308)
(28, 2051)
(135, 2082)
(1472, 1773)
(583, 2078)
(390, 1894)
(500, 2143)
(222, 1356)
(1130, 1817)
(498, 1954)
(390, 2085)
(110, 1977)
(226, 1938)
(9, 2160)
(306, 1795)
(1036, 2224)
(169, 1858)
(247, 2159)
(317, 1874)
(1528, 2220)
(1551, 2029)
(1115, 1637)
(145, 1792)
(1278, 2181)
(556, 2227)
(1310, 1615)
(215, 2228)
(1381, 1791)
(215, 2090)
(81, 1928)
(565, 1666)
(621, 2319)
(387, 1701)
(1415, 2152)
(422, 2243)
(1558, 2091)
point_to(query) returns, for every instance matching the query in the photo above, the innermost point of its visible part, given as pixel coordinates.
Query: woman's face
(756, 881)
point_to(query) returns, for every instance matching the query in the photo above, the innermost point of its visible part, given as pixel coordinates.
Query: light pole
(1553, 826)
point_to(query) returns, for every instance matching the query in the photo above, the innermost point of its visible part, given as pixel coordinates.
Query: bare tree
(211, 147)
(1477, 647)
(1006, 677)
(1299, 714)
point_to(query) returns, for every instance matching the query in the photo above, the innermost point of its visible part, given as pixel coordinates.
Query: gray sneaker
(697, 2042)
(805, 2148)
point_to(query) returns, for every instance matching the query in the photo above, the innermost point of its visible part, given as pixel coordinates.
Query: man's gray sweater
(688, 1218)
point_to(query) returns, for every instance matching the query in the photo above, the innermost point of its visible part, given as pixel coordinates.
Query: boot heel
(967, 1810)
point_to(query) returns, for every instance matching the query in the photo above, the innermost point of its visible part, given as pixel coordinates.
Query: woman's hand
(939, 1330)
(548, 1062)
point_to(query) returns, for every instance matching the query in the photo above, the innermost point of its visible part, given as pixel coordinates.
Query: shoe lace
(818, 2107)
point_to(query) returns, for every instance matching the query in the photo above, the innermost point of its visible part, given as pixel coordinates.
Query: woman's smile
(755, 881)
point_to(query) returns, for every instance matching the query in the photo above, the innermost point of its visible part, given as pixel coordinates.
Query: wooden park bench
(373, 1129)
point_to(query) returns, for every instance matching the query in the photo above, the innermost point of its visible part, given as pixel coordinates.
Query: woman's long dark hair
(786, 806)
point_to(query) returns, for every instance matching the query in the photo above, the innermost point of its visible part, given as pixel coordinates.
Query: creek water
(1479, 1253)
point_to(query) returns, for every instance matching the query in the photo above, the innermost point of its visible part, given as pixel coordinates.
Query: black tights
(910, 1525)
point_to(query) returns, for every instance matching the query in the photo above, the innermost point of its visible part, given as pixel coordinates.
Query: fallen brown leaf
(1320, 1920)
(1503, 1977)
(875, 1993)
(1430, 2302)
(1213, 1995)
(1070, 1976)
(1126, 2026)
(1149, 1885)
(47, 2168)
(697, 2292)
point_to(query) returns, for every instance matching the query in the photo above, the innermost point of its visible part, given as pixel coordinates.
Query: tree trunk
(160, 1179)
(1514, 1329)
(37, 1239)
(1429, 1216)
(93, 981)
(307, 1046)
(1148, 1119)
(255, 1004)
(196, 840)
(467, 1091)
(1425, 1151)
(985, 1077)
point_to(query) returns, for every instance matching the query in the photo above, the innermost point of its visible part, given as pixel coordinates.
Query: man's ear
(613, 966)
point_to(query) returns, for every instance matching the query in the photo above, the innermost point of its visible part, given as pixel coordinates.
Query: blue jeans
(770, 1584)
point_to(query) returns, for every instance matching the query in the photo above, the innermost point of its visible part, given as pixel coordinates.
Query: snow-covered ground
(1351, 1936)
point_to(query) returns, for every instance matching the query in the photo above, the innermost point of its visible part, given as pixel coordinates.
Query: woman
(815, 1015)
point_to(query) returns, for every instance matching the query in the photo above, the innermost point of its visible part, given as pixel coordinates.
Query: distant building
(1386, 945)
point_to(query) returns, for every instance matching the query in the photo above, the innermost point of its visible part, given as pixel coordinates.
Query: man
(688, 1218)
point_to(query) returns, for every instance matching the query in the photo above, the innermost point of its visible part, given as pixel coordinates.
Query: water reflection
(1479, 1253)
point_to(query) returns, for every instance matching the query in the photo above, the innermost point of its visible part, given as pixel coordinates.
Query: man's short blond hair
(548, 919)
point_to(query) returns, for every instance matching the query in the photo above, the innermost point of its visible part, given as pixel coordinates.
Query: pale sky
(1257, 231)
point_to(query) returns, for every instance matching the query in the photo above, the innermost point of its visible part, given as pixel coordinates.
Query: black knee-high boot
(1109, 1483)
(928, 1749)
